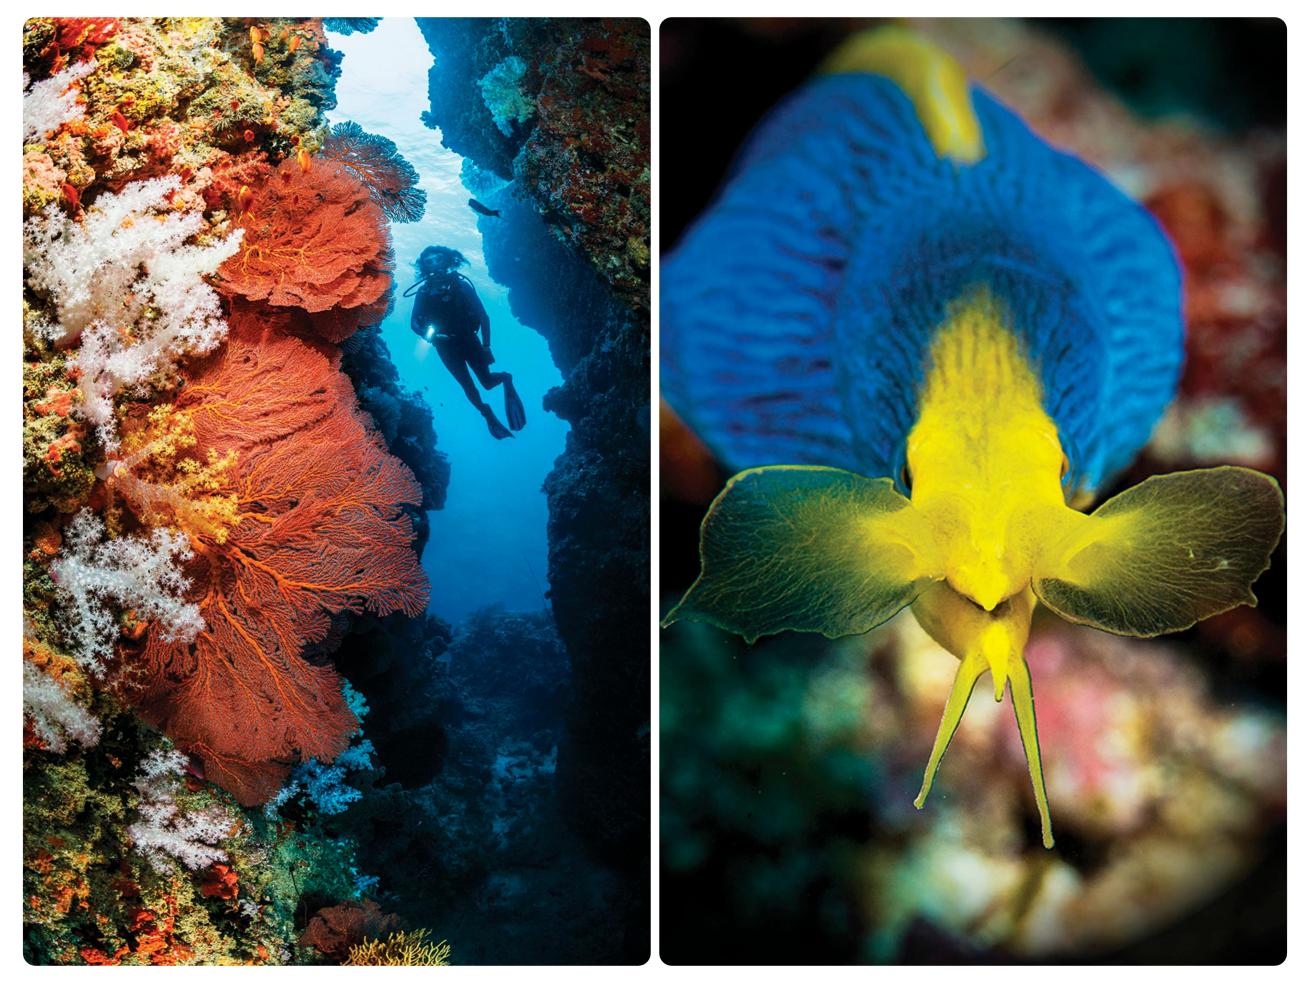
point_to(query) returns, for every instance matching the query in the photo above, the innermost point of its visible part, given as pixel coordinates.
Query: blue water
(488, 545)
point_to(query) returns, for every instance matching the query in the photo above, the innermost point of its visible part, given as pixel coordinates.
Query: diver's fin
(494, 425)
(514, 412)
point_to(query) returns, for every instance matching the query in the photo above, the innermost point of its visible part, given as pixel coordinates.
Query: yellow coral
(164, 486)
(400, 949)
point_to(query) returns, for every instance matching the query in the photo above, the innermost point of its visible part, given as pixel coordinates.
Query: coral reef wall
(561, 108)
(222, 479)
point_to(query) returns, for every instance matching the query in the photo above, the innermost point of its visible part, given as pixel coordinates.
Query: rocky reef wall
(403, 419)
(561, 108)
(464, 815)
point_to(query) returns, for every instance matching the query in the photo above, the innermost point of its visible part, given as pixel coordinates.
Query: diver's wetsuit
(449, 307)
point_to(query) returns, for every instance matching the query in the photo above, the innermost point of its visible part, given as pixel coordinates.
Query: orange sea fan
(314, 240)
(320, 530)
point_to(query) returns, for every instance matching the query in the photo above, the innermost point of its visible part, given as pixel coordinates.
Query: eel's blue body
(797, 312)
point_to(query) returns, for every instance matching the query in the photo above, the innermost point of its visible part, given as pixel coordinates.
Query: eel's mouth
(1004, 610)
(1001, 610)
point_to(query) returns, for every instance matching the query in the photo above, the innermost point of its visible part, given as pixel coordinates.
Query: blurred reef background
(249, 734)
(789, 768)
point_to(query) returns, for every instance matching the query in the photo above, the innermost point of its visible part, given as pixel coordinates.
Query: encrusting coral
(206, 506)
(56, 471)
(178, 96)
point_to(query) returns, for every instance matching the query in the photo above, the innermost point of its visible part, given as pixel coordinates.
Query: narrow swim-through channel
(463, 821)
(488, 545)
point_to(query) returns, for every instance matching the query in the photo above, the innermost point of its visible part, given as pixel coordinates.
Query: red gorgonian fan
(314, 240)
(336, 930)
(320, 530)
(389, 177)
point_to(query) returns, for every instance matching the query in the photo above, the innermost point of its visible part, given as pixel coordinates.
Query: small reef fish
(482, 209)
(930, 339)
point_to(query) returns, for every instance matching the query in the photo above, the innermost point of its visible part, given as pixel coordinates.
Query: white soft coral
(164, 831)
(137, 572)
(502, 92)
(50, 103)
(126, 282)
(55, 716)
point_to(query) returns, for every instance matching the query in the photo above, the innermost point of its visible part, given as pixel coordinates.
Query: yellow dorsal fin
(933, 80)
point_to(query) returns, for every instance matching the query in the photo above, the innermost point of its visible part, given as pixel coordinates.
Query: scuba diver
(449, 315)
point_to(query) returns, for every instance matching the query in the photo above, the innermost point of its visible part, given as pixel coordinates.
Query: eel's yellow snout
(983, 578)
(984, 457)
